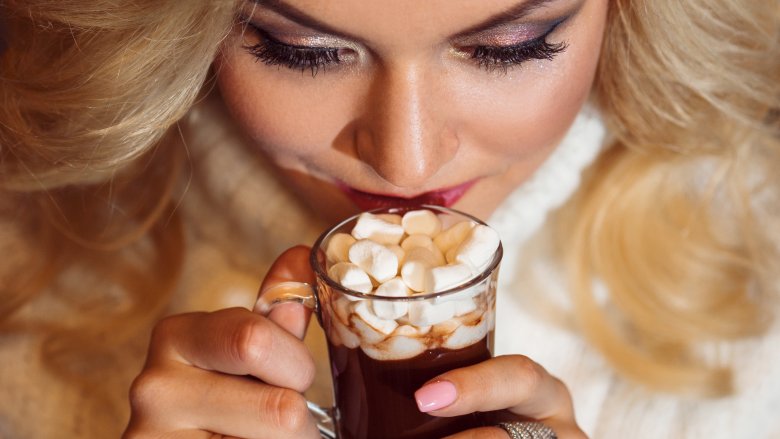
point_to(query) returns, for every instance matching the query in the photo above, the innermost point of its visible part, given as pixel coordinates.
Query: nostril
(404, 173)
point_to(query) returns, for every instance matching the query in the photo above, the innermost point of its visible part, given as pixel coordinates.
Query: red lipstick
(443, 197)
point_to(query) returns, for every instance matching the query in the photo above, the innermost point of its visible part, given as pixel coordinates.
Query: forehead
(383, 20)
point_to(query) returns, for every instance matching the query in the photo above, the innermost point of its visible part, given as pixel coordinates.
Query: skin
(407, 114)
(407, 111)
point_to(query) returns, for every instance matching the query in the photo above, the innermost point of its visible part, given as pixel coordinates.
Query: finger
(511, 382)
(133, 433)
(562, 431)
(234, 341)
(185, 399)
(481, 433)
(292, 265)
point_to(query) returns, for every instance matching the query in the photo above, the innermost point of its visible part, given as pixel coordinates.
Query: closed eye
(275, 53)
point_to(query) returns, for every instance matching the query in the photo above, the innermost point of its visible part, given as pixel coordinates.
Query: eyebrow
(515, 12)
(289, 11)
(292, 13)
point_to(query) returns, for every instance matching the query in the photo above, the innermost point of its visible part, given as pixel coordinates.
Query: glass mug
(377, 366)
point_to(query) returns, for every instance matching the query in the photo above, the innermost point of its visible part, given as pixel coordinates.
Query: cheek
(528, 111)
(520, 120)
(287, 115)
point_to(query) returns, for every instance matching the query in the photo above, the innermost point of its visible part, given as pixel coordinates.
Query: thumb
(292, 265)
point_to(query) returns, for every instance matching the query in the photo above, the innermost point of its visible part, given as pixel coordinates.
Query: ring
(283, 292)
(527, 430)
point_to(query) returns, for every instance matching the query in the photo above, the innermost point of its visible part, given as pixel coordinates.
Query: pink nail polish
(435, 396)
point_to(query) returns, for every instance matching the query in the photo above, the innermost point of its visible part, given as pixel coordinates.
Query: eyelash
(503, 58)
(275, 53)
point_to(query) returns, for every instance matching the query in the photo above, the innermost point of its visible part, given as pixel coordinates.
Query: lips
(443, 197)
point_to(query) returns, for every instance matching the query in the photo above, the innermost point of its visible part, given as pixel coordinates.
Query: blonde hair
(90, 159)
(669, 218)
(92, 95)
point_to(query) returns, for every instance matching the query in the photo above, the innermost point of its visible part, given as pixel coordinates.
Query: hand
(230, 372)
(511, 382)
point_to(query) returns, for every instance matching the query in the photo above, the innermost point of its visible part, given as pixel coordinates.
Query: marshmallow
(439, 256)
(415, 274)
(338, 247)
(453, 236)
(423, 241)
(341, 309)
(451, 255)
(387, 309)
(411, 330)
(473, 317)
(351, 276)
(379, 230)
(478, 248)
(446, 327)
(375, 259)
(365, 319)
(396, 348)
(418, 240)
(421, 254)
(463, 307)
(391, 218)
(466, 335)
(466, 294)
(422, 222)
(424, 313)
(447, 276)
(367, 334)
(400, 254)
(416, 269)
(406, 331)
(368, 260)
(348, 338)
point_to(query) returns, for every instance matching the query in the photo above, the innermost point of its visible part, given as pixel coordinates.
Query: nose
(404, 134)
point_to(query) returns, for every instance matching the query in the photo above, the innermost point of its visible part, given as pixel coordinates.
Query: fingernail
(435, 396)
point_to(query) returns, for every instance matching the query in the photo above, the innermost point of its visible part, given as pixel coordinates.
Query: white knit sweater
(606, 405)
(35, 405)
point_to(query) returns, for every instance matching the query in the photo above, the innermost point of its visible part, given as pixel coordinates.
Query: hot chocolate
(375, 400)
(407, 297)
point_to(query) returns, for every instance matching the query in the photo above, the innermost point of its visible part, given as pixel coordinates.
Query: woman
(156, 156)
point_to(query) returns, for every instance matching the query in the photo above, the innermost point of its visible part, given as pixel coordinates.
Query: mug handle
(303, 293)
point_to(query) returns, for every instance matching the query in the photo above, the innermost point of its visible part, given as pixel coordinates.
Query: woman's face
(360, 103)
